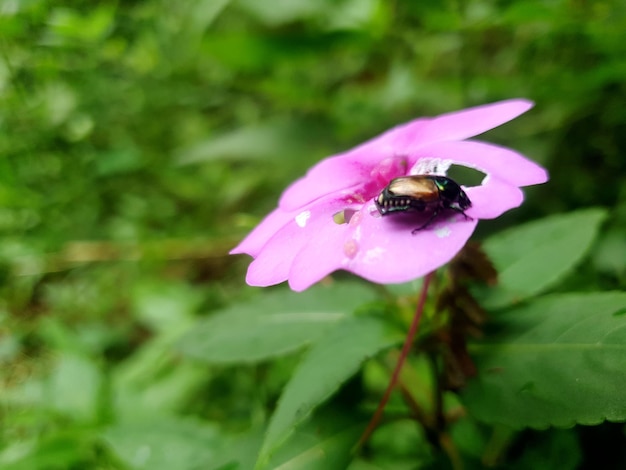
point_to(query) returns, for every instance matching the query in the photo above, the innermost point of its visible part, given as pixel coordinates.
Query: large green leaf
(327, 453)
(329, 363)
(534, 257)
(275, 324)
(557, 361)
(324, 443)
(164, 443)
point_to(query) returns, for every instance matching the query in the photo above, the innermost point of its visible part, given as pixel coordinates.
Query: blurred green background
(141, 140)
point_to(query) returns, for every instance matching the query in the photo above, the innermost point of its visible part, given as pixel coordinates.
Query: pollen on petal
(302, 218)
(350, 248)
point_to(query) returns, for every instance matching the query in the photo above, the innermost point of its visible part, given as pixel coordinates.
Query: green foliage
(330, 362)
(556, 361)
(557, 244)
(323, 443)
(277, 324)
(164, 443)
(139, 141)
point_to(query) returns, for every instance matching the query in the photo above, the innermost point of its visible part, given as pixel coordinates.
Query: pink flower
(301, 242)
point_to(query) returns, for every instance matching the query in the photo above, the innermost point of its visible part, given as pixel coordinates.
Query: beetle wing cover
(418, 187)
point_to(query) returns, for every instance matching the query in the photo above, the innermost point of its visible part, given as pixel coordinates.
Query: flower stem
(406, 347)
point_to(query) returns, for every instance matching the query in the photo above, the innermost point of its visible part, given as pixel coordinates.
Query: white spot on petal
(302, 218)
(430, 166)
(443, 232)
(373, 255)
(373, 211)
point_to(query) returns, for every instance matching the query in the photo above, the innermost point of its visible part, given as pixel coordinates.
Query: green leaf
(330, 362)
(533, 257)
(400, 444)
(283, 12)
(238, 451)
(610, 254)
(275, 324)
(270, 140)
(58, 391)
(154, 378)
(165, 306)
(164, 444)
(556, 361)
(324, 443)
(65, 395)
(69, 447)
(559, 448)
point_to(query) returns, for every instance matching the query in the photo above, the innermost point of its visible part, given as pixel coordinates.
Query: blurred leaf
(331, 361)
(356, 14)
(275, 324)
(164, 444)
(554, 362)
(558, 449)
(203, 12)
(319, 445)
(535, 256)
(165, 306)
(282, 11)
(67, 448)
(67, 26)
(154, 378)
(59, 391)
(400, 444)
(65, 394)
(270, 140)
(238, 451)
(610, 256)
(59, 102)
(118, 161)
(469, 437)
(166, 388)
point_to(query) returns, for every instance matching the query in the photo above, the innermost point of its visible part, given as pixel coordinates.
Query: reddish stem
(406, 347)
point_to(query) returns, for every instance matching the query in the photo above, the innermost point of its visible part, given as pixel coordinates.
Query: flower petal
(507, 165)
(311, 225)
(492, 199)
(301, 243)
(346, 171)
(317, 260)
(384, 249)
(462, 124)
(348, 174)
(391, 253)
(255, 240)
(328, 176)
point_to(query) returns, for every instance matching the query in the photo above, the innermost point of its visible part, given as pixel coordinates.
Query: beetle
(422, 193)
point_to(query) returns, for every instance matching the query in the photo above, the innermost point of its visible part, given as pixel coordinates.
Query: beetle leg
(428, 222)
(460, 211)
(435, 214)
